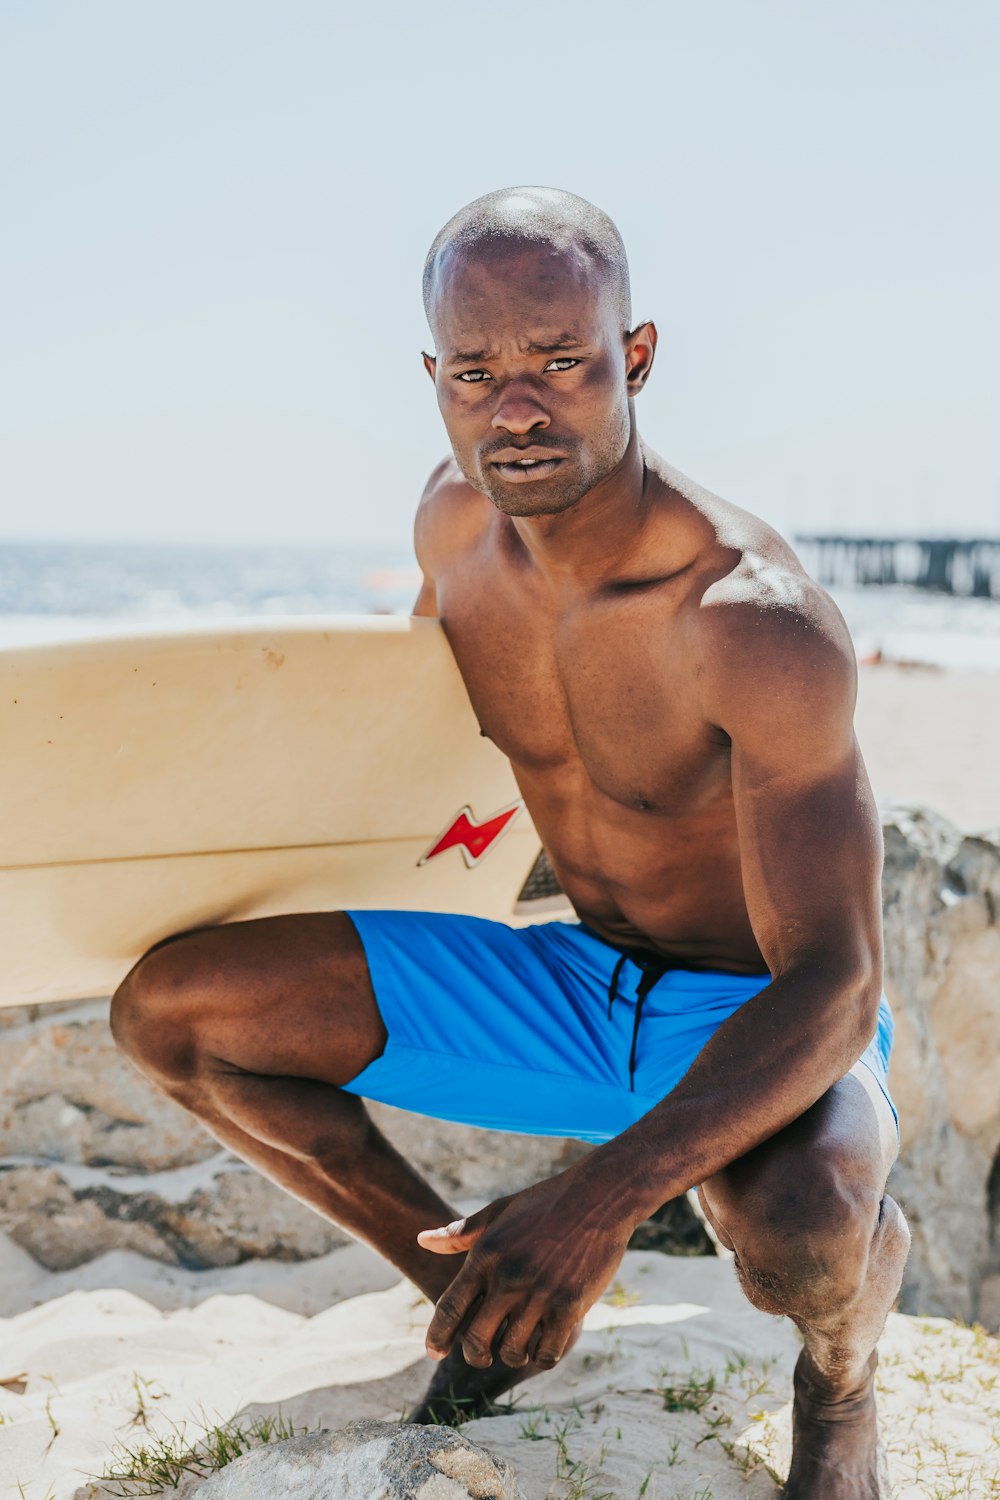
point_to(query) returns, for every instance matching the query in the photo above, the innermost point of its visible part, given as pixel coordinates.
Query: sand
(930, 737)
(677, 1383)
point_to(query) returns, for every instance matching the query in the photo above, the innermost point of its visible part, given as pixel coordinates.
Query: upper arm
(449, 518)
(426, 601)
(424, 528)
(782, 681)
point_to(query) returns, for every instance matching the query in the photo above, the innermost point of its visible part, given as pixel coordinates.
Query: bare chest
(603, 696)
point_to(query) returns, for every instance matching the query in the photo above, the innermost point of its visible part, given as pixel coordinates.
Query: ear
(640, 348)
(430, 365)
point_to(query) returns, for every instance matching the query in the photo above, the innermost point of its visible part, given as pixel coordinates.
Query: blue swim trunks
(544, 1030)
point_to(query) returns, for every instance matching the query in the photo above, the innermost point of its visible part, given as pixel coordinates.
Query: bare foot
(835, 1451)
(458, 1391)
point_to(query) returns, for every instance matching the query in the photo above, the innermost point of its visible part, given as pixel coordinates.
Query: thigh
(283, 996)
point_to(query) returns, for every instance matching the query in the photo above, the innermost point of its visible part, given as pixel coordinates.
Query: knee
(154, 1008)
(803, 1233)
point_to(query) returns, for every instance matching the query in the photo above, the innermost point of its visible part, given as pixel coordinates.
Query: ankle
(835, 1383)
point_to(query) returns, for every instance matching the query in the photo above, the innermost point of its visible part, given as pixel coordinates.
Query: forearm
(764, 1067)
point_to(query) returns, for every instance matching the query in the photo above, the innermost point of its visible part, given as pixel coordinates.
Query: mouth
(521, 470)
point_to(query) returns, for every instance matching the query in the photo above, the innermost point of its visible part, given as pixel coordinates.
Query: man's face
(530, 374)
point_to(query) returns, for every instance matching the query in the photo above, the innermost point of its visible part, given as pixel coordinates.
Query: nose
(520, 412)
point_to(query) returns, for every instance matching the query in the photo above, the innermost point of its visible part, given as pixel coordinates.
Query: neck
(589, 542)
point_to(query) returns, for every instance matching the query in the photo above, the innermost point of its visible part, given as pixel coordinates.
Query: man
(676, 699)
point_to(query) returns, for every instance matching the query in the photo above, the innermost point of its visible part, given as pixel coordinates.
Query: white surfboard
(158, 782)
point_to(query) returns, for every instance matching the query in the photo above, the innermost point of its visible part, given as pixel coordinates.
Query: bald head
(523, 217)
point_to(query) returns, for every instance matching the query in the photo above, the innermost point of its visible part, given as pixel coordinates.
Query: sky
(214, 214)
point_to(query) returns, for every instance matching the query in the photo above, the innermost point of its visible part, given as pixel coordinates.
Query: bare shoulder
(451, 516)
(777, 660)
(767, 611)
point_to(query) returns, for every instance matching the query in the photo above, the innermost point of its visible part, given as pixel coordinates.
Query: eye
(564, 363)
(474, 377)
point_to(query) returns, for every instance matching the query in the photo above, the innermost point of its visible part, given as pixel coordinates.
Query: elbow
(860, 995)
(848, 990)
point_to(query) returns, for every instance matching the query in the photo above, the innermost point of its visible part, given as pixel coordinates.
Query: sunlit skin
(676, 700)
(555, 413)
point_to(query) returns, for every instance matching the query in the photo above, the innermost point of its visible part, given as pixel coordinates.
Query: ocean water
(911, 625)
(57, 591)
(53, 591)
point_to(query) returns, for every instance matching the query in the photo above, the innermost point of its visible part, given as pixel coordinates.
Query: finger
(479, 1337)
(557, 1333)
(461, 1234)
(450, 1238)
(518, 1337)
(453, 1307)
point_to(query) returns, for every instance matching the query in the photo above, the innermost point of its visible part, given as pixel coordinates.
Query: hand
(536, 1262)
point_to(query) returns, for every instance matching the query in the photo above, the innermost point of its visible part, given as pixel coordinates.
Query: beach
(929, 737)
(677, 1384)
(677, 457)
(124, 1374)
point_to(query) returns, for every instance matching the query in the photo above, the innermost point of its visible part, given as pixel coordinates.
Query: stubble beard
(544, 498)
(560, 492)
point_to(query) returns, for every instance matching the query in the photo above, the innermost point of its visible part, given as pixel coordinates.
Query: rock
(367, 1461)
(675, 1229)
(232, 1216)
(463, 1161)
(69, 1095)
(941, 902)
(42, 1214)
(989, 1302)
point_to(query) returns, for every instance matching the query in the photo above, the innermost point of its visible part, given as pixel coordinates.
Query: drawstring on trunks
(653, 970)
(613, 986)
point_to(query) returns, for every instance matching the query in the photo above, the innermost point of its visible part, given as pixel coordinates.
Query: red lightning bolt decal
(474, 839)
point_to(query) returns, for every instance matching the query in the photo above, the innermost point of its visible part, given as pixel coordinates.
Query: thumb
(461, 1234)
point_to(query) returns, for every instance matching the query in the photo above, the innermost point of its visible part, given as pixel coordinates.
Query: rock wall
(941, 903)
(93, 1158)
